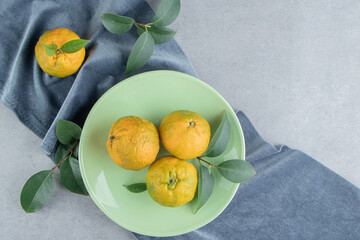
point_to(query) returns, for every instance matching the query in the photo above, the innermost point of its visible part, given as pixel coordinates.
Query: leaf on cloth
(166, 13)
(141, 52)
(160, 34)
(116, 24)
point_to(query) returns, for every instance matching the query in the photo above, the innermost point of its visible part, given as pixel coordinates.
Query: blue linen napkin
(291, 197)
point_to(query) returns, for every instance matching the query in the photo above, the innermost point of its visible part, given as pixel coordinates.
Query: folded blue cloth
(291, 197)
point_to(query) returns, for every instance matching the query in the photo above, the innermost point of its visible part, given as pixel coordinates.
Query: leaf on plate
(116, 24)
(36, 191)
(50, 49)
(141, 52)
(71, 177)
(236, 170)
(67, 132)
(210, 169)
(205, 186)
(136, 187)
(74, 45)
(166, 13)
(220, 139)
(160, 34)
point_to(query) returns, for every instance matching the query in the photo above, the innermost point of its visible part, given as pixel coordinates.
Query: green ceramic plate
(152, 95)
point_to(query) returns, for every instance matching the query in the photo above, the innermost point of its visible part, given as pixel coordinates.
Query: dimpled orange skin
(171, 182)
(185, 134)
(133, 142)
(62, 64)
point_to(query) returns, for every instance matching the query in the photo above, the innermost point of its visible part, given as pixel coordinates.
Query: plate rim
(81, 148)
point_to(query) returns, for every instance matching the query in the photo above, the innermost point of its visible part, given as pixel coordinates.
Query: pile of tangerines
(134, 143)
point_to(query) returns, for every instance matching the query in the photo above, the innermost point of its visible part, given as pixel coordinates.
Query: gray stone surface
(292, 66)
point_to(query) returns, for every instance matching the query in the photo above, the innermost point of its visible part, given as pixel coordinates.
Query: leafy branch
(154, 32)
(39, 187)
(234, 170)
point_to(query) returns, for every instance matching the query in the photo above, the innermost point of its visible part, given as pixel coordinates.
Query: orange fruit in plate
(185, 134)
(133, 142)
(171, 182)
(60, 64)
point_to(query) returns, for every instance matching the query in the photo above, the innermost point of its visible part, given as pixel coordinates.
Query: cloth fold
(291, 197)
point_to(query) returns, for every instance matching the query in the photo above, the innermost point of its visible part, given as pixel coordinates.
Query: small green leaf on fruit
(116, 24)
(73, 45)
(236, 170)
(160, 34)
(136, 187)
(167, 12)
(71, 177)
(50, 49)
(220, 139)
(141, 52)
(67, 132)
(36, 191)
(205, 186)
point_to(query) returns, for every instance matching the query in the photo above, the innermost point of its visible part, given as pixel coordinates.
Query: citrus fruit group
(133, 142)
(185, 134)
(60, 64)
(171, 182)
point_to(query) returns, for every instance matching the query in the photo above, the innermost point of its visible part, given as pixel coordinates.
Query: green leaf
(205, 186)
(36, 191)
(71, 177)
(74, 45)
(141, 52)
(160, 34)
(50, 49)
(61, 151)
(167, 12)
(75, 152)
(236, 170)
(136, 187)
(67, 132)
(220, 139)
(115, 23)
(210, 169)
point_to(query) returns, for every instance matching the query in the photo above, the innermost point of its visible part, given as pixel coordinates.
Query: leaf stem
(67, 154)
(147, 25)
(212, 165)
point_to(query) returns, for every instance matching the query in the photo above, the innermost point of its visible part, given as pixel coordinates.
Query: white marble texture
(292, 66)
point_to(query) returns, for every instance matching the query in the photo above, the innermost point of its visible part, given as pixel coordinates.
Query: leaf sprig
(39, 187)
(234, 170)
(68, 47)
(154, 32)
